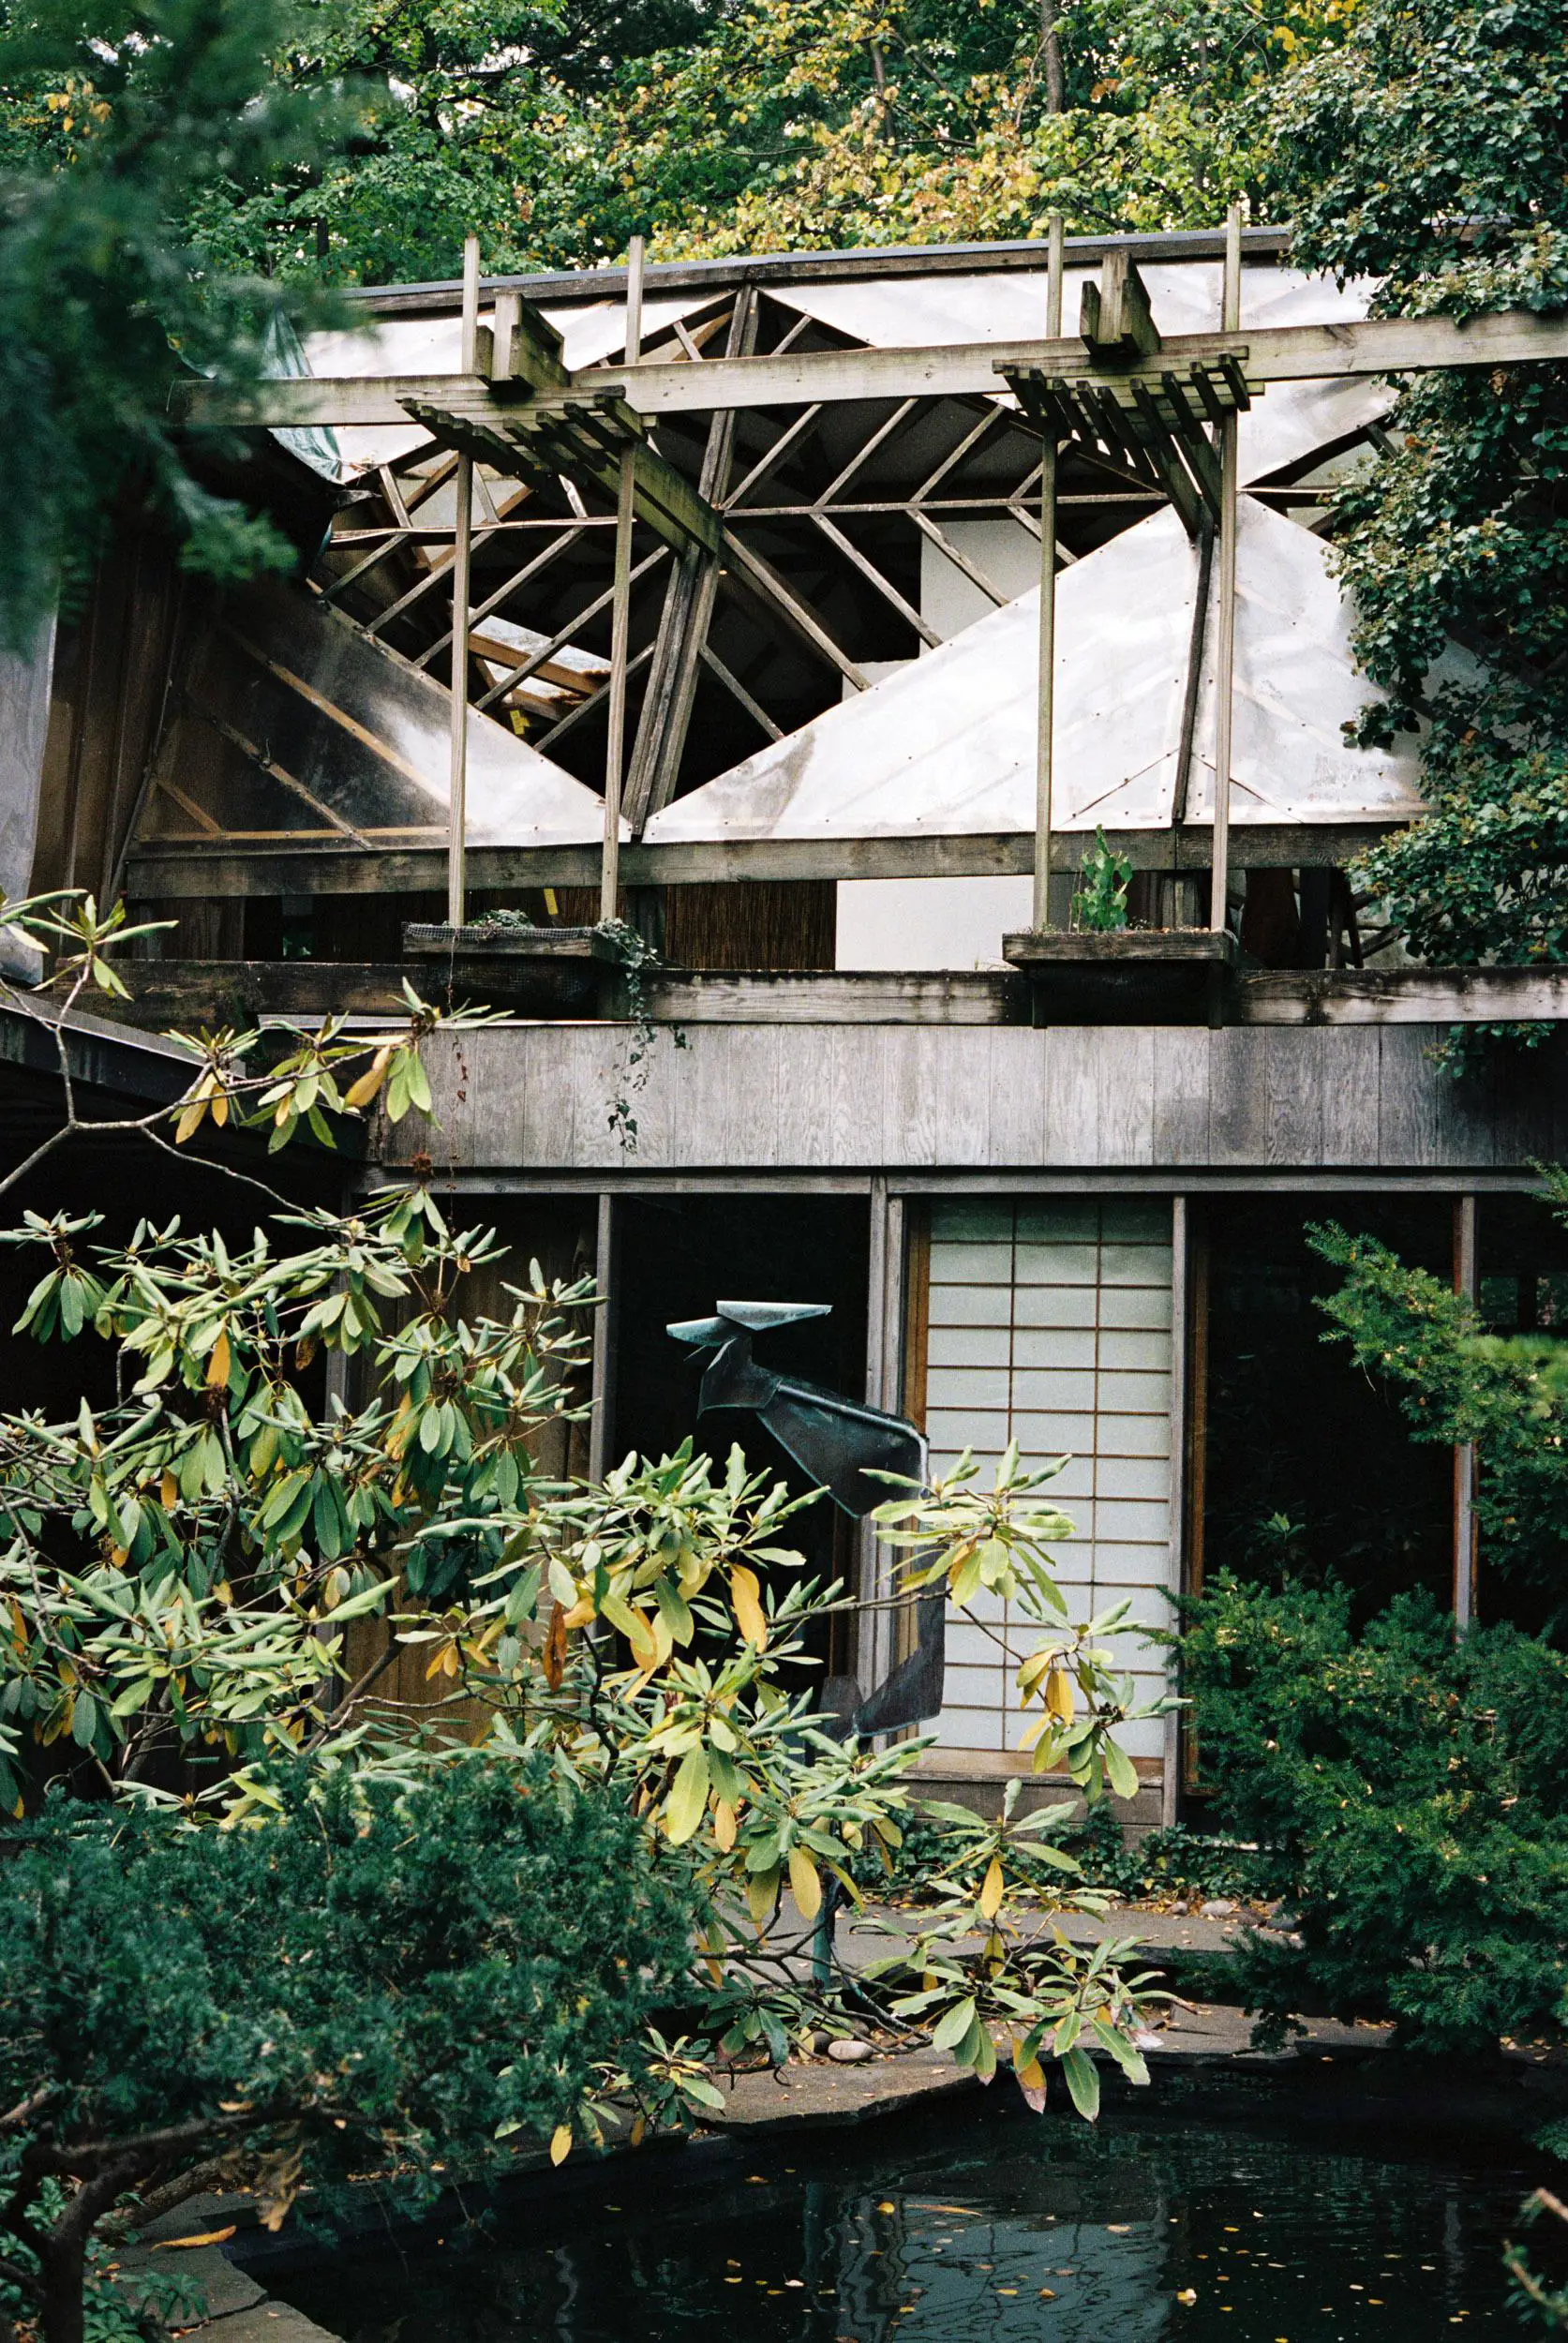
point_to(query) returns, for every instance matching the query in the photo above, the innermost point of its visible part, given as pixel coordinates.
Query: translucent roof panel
(590, 333)
(945, 746)
(1294, 421)
(340, 729)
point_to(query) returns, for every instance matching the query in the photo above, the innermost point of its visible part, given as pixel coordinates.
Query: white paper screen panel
(1051, 1323)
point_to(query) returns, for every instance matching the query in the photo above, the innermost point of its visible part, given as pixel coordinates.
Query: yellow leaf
(555, 1649)
(745, 1594)
(168, 1492)
(761, 1888)
(805, 1882)
(1032, 2075)
(217, 1365)
(725, 1825)
(638, 2128)
(992, 1888)
(190, 1122)
(560, 2143)
(645, 1648)
(360, 1093)
(178, 2245)
(1058, 1695)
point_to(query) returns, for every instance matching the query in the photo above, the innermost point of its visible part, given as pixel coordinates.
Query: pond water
(973, 2225)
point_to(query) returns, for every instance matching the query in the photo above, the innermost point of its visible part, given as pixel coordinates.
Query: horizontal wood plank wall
(842, 1097)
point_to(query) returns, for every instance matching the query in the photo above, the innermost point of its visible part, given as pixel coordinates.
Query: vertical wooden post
(461, 599)
(1054, 253)
(620, 620)
(1225, 646)
(1466, 1284)
(876, 1651)
(606, 1277)
(1170, 1777)
(615, 751)
(636, 256)
(1198, 1273)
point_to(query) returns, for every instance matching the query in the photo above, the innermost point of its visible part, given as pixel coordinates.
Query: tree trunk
(1050, 40)
(64, 2273)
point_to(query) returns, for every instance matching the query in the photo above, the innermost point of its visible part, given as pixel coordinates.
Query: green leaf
(1082, 2081)
(953, 2028)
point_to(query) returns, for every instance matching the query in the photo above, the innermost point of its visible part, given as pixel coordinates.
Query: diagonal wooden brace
(540, 438)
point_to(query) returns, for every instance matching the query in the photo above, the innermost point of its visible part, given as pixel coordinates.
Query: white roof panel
(1293, 421)
(434, 344)
(945, 745)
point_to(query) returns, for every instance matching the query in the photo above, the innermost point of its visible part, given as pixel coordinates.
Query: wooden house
(813, 615)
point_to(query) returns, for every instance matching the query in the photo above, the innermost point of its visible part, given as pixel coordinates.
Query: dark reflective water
(973, 2225)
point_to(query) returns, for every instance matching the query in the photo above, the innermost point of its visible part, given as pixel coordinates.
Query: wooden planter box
(549, 971)
(1132, 977)
(480, 941)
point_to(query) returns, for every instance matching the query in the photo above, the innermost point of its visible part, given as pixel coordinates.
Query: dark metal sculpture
(837, 1443)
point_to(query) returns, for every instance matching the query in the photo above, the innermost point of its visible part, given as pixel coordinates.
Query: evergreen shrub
(1409, 1793)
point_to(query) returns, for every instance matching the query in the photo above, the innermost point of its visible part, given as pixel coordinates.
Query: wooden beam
(579, 619)
(1114, 316)
(952, 553)
(174, 992)
(615, 753)
(686, 617)
(860, 264)
(185, 992)
(226, 867)
(1401, 996)
(838, 997)
(1225, 635)
(583, 438)
(462, 576)
(1045, 705)
(752, 571)
(1280, 353)
(737, 689)
(873, 577)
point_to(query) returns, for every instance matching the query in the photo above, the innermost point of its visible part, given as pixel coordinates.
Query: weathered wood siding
(963, 1098)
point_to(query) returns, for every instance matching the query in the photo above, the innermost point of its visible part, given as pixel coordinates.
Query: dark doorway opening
(674, 1258)
(1306, 1467)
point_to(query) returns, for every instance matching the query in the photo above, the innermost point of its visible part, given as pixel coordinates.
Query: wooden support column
(1466, 1284)
(621, 616)
(1170, 1777)
(636, 261)
(877, 1652)
(687, 612)
(606, 1278)
(1055, 248)
(1225, 644)
(1194, 1339)
(461, 596)
(609, 869)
